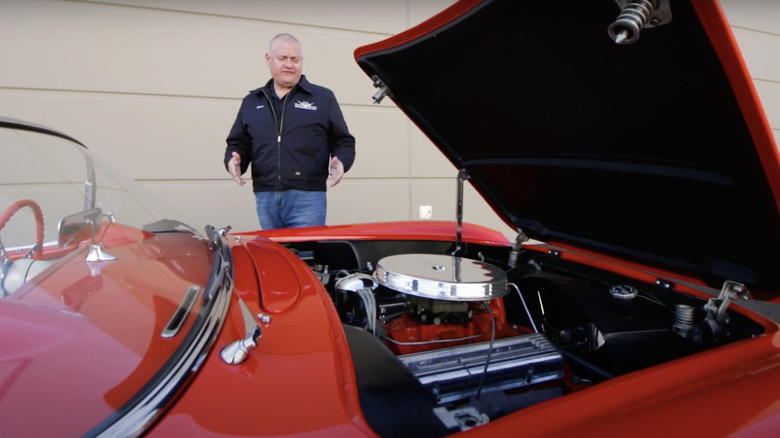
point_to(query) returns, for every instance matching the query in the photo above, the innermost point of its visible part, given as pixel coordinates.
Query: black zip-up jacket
(291, 148)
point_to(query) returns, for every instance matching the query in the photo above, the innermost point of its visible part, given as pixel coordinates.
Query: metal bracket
(383, 90)
(715, 309)
(96, 253)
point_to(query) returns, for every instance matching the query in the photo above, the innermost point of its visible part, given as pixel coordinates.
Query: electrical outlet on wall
(426, 212)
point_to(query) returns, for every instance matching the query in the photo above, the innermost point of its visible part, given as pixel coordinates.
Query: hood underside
(651, 151)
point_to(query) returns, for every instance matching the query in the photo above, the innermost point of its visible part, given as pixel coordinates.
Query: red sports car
(622, 140)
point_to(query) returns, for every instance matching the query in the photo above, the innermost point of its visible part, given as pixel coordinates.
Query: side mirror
(79, 226)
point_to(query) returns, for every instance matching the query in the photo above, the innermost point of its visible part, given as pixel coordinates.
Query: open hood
(653, 148)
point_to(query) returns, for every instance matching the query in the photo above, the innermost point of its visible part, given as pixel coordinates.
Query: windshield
(108, 301)
(59, 176)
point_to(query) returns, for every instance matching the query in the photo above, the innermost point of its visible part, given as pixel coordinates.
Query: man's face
(285, 63)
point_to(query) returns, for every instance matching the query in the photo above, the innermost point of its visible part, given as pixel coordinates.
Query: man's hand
(234, 167)
(336, 171)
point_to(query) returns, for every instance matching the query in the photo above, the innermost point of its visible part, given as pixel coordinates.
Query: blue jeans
(290, 209)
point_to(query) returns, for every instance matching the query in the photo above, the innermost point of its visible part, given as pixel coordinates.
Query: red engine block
(408, 335)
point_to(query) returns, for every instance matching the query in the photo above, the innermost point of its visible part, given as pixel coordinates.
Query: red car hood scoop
(655, 151)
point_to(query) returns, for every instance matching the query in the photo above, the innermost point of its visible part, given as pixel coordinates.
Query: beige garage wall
(153, 87)
(756, 27)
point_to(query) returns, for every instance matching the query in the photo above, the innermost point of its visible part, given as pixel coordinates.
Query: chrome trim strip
(181, 313)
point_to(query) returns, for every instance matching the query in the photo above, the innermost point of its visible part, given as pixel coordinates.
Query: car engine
(495, 329)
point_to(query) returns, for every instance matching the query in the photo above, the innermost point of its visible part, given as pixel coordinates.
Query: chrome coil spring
(633, 17)
(684, 322)
(683, 316)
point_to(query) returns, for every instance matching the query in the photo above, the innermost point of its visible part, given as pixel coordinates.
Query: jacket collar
(303, 84)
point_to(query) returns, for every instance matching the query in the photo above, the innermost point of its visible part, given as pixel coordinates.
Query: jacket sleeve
(238, 140)
(340, 142)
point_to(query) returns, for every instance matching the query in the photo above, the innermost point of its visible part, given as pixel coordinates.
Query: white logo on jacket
(305, 105)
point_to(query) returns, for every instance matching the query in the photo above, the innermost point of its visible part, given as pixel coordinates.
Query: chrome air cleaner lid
(441, 277)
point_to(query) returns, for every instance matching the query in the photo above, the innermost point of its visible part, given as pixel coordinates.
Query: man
(293, 133)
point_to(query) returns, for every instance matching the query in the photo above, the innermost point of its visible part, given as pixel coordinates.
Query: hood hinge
(715, 309)
(383, 90)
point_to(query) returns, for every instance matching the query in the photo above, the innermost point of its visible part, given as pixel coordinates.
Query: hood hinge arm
(715, 308)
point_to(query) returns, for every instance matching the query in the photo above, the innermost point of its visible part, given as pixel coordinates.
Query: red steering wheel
(16, 206)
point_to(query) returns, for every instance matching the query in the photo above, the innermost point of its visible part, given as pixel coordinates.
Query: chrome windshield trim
(89, 184)
(136, 416)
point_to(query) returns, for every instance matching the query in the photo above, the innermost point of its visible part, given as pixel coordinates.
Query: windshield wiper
(237, 351)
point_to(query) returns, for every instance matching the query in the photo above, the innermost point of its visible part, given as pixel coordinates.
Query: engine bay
(474, 336)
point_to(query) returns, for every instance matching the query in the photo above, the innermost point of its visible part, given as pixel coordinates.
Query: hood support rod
(462, 176)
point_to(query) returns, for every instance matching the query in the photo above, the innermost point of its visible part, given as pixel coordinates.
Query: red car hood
(656, 151)
(86, 336)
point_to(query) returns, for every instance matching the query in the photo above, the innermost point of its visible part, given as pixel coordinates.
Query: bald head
(286, 39)
(285, 62)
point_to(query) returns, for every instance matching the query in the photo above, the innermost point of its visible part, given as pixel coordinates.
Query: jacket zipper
(280, 125)
(279, 139)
